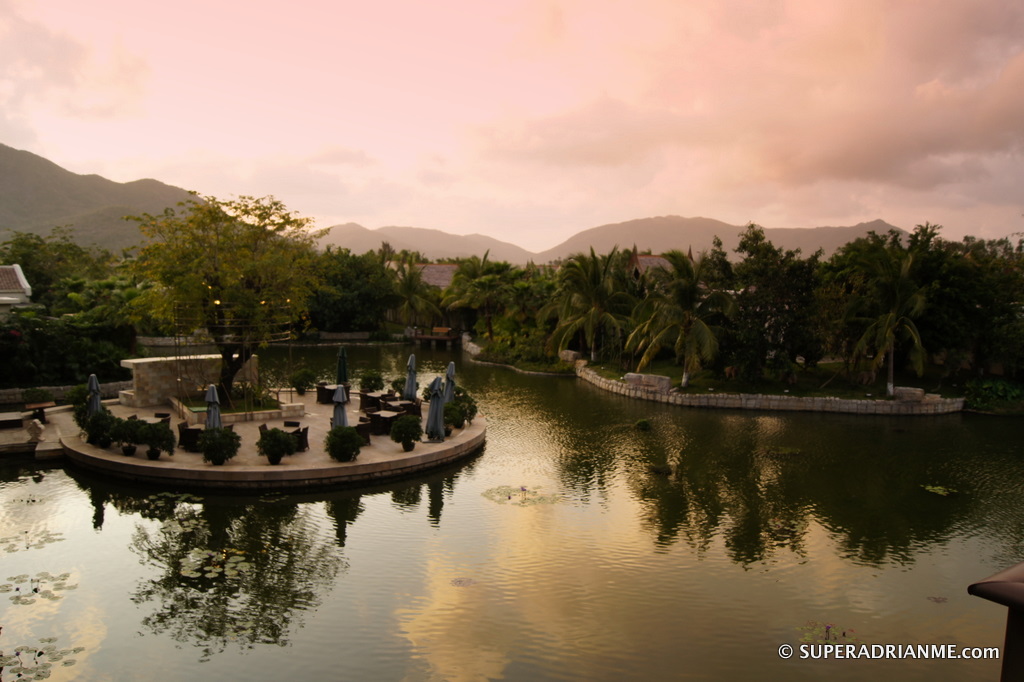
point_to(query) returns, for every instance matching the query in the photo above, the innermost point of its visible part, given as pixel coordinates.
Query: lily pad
(520, 496)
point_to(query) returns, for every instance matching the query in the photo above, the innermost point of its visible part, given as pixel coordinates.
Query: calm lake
(574, 547)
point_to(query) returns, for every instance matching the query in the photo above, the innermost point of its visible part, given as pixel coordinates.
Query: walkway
(383, 459)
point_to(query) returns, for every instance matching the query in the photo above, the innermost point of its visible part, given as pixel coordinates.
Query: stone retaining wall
(12, 396)
(155, 380)
(743, 401)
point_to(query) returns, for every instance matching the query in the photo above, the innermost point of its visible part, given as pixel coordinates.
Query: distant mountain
(657, 234)
(433, 244)
(664, 233)
(37, 195)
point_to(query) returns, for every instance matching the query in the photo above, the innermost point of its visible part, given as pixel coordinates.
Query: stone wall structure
(12, 396)
(905, 405)
(157, 380)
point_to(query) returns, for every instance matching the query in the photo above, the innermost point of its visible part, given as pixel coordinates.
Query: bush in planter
(98, 428)
(343, 443)
(398, 385)
(407, 430)
(219, 445)
(157, 438)
(303, 380)
(36, 395)
(371, 381)
(127, 433)
(275, 443)
(454, 414)
(468, 403)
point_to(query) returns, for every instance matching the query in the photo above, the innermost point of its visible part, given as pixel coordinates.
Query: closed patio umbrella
(340, 414)
(212, 408)
(94, 406)
(435, 415)
(449, 383)
(409, 392)
(342, 371)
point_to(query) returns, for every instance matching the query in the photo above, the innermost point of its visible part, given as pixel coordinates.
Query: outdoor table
(325, 393)
(39, 409)
(380, 422)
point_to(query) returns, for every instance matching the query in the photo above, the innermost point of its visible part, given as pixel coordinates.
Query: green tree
(415, 301)
(55, 264)
(896, 300)
(776, 311)
(352, 292)
(590, 302)
(481, 286)
(241, 270)
(680, 312)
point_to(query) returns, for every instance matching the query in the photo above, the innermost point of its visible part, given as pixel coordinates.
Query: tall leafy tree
(680, 312)
(241, 270)
(352, 292)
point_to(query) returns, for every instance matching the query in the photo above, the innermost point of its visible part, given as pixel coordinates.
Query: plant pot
(104, 442)
(408, 446)
(447, 430)
(300, 391)
(153, 454)
(128, 450)
(274, 458)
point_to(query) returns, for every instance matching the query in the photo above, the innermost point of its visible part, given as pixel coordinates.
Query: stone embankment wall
(929, 405)
(11, 396)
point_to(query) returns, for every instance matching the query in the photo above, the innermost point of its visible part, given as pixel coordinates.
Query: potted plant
(371, 381)
(303, 380)
(157, 438)
(219, 445)
(454, 415)
(98, 427)
(398, 385)
(275, 443)
(343, 443)
(127, 433)
(407, 430)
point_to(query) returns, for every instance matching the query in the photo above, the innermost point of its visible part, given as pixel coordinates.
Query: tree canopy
(240, 270)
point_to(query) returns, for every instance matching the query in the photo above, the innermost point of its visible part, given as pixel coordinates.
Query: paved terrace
(383, 459)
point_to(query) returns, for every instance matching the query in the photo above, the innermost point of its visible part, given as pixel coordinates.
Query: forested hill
(37, 195)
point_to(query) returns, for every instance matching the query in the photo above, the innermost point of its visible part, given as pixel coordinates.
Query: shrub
(343, 443)
(454, 414)
(398, 385)
(98, 428)
(36, 395)
(127, 431)
(275, 444)
(158, 437)
(371, 381)
(219, 445)
(302, 380)
(642, 425)
(407, 430)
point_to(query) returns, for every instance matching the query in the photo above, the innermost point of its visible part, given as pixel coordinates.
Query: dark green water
(688, 552)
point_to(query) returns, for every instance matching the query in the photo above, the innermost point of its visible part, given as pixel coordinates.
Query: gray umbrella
(340, 415)
(212, 408)
(435, 415)
(94, 406)
(449, 383)
(409, 392)
(342, 372)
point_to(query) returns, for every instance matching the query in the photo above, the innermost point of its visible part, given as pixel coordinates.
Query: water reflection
(232, 574)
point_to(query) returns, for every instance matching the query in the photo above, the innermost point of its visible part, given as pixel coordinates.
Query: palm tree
(482, 286)
(679, 311)
(899, 300)
(588, 301)
(413, 293)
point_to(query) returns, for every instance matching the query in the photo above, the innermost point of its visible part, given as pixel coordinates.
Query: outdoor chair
(302, 436)
(188, 438)
(363, 429)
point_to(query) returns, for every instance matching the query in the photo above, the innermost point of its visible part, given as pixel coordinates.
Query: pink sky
(530, 120)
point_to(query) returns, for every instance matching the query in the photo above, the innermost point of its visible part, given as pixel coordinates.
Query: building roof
(438, 274)
(12, 281)
(641, 263)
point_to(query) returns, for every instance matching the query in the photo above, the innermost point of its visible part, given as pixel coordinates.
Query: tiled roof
(646, 262)
(9, 280)
(438, 274)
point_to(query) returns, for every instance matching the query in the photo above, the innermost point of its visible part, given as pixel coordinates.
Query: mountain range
(37, 195)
